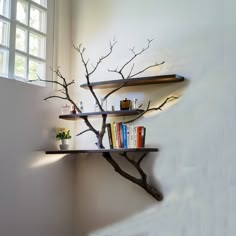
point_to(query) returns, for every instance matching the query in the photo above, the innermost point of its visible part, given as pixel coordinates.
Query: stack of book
(122, 135)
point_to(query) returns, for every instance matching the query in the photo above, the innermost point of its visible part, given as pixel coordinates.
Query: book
(143, 136)
(108, 126)
(124, 132)
(128, 136)
(113, 135)
(139, 136)
(118, 134)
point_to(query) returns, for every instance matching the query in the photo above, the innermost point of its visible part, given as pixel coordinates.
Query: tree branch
(141, 158)
(137, 166)
(118, 169)
(140, 115)
(148, 67)
(112, 44)
(47, 81)
(89, 73)
(136, 54)
(152, 109)
(87, 130)
(102, 132)
(54, 96)
(155, 192)
(114, 90)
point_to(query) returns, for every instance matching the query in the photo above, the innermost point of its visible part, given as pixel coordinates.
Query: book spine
(139, 136)
(133, 136)
(113, 134)
(124, 128)
(118, 135)
(128, 136)
(108, 126)
(121, 135)
(143, 136)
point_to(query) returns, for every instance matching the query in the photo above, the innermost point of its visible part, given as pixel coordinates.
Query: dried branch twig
(89, 73)
(87, 130)
(130, 75)
(152, 109)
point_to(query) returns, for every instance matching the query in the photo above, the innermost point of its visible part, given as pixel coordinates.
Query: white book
(128, 136)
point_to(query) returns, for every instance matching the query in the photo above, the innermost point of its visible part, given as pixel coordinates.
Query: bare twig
(112, 44)
(114, 90)
(54, 96)
(47, 81)
(87, 130)
(140, 115)
(152, 109)
(136, 54)
(143, 70)
(130, 75)
(89, 73)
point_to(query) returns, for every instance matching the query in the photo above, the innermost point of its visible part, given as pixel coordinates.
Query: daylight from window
(23, 42)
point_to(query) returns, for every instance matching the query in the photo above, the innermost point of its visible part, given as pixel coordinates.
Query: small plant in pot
(63, 134)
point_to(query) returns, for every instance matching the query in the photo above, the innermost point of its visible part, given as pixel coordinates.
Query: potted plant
(63, 134)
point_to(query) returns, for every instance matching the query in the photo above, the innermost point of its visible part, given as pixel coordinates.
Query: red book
(139, 136)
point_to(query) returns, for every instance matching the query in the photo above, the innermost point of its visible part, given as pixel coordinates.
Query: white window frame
(49, 35)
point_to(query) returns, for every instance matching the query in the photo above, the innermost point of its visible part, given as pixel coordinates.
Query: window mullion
(28, 42)
(12, 39)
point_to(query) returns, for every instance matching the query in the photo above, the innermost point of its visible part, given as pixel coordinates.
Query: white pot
(64, 144)
(64, 141)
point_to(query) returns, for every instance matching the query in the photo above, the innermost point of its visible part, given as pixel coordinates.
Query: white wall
(196, 163)
(36, 190)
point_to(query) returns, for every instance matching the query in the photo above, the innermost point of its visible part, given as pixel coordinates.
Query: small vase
(64, 144)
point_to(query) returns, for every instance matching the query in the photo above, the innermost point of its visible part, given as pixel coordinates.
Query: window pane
(21, 39)
(41, 2)
(22, 11)
(20, 66)
(4, 62)
(36, 68)
(5, 8)
(37, 46)
(4, 32)
(38, 19)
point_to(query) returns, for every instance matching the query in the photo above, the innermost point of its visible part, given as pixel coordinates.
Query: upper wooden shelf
(109, 113)
(119, 150)
(159, 79)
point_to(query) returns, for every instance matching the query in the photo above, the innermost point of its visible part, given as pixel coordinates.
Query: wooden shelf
(103, 150)
(159, 79)
(109, 113)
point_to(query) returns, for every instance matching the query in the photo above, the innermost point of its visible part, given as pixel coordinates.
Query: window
(26, 33)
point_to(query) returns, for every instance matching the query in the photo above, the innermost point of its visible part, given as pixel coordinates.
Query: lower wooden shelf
(118, 150)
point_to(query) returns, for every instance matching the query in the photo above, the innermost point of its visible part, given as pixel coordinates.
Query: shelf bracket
(142, 181)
